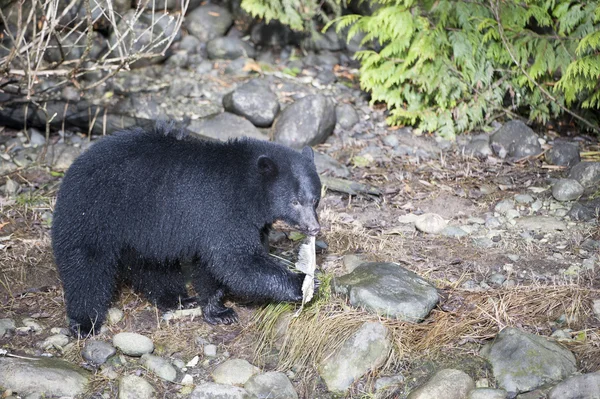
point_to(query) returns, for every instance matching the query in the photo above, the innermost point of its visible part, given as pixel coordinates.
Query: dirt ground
(449, 184)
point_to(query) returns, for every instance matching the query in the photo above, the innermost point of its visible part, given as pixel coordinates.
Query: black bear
(139, 203)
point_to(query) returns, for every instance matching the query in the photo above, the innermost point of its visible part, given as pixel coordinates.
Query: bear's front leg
(257, 276)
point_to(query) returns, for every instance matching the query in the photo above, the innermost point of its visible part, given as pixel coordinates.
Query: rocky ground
(464, 269)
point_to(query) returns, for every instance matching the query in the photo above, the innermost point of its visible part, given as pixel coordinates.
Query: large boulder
(46, 376)
(229, 48)
(522, 362)
(447, 384)
(366, 350)
(272, 385)
(388, 290)
(254, 101)
(515, 140)
(308, 121)
(225, 126)
(585, 386)
(208, 22)
(586, 173)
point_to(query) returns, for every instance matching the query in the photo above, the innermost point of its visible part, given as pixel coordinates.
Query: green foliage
(298, 14)
(450, 66)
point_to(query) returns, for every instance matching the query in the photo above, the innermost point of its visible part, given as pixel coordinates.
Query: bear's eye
(295, 203)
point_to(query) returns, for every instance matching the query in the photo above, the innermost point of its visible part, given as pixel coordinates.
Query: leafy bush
(450, 66)
(297, 14)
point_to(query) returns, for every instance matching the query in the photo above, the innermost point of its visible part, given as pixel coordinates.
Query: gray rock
(308, 121)
(32, 324)
(36, 138)
(454, 232)
(596, 308)
(471, 285)
(388, 382)
(210, 390)
(328, 41)
(512, 214)
(11, 187)
(6, 326)
(540, 393)
(133, 344)
(483, 242)
(389, 290)
(346, 116)
(585, 210)
(478, 148)
(430, 223)
(493, 223)
(6, 166)
(272, 385)
(516, 140)
(159, 366)
(391, 140)
(447, 384)
(487, 393)
(327, 164)
(179, 59)
(497, 279)
(567, 190)
(47, 376)
(225, 126)
(585, 386)
(503, 206)
(97, 352)
(229, 48)
(234, 372)
(540, 223)
(522, 362)
(366, 350)
(254, 101)
(563, 153)
(524, 198)
(55, 341)
(190, 44)
(210, 350)
(134, 387)
(61, 156)
(586, 173)
(114, 316)
(208, 22)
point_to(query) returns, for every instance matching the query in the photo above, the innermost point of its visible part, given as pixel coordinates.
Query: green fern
(449, 66)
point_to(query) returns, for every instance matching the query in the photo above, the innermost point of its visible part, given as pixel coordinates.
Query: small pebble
(133, 344)
(33, 325)
(497, 279)
(524, 198)
(210, 350)
(114, 316)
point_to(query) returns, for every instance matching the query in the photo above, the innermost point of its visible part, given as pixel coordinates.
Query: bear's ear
(267, 167)
(308, 153)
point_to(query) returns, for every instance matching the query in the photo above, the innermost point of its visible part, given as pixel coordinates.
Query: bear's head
(293, 188)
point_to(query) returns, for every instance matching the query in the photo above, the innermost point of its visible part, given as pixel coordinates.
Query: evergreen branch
(510, 50)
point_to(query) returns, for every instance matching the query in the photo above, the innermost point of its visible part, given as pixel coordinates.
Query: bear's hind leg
(162, 283)
(89, 281)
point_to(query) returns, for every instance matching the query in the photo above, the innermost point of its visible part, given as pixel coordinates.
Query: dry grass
(463, 318)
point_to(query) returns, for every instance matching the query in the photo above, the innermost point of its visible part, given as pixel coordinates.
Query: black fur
(138, 203)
